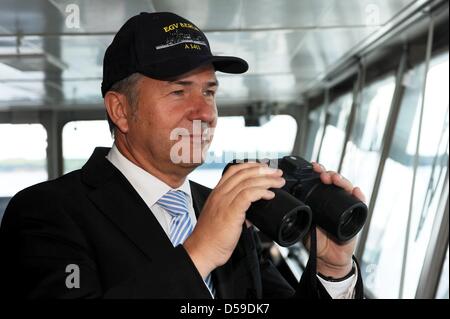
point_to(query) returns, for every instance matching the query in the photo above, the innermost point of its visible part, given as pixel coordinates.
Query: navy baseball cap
(161, 45)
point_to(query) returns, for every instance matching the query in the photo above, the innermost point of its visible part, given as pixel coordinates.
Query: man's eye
(178, 92)
(209, 93)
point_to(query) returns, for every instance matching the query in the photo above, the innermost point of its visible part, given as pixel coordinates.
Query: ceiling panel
(41, 16)
(323, 47)
(266, 52)
(288, 43)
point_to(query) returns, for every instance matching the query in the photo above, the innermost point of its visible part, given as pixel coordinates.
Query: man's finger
(342, 182)
(325, 177)
(357, 192)
(258, 182)
(316, 167)
(240, 176)
(236, 168)
(244, 199)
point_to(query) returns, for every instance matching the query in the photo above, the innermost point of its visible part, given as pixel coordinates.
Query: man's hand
(220, 223)
(334, 259)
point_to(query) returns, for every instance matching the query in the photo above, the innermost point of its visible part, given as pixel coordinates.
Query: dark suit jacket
(94, 218)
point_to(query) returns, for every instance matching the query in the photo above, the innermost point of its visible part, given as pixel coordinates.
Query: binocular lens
(289, 215)
(294, 226)
(285, 219)
(351, 221)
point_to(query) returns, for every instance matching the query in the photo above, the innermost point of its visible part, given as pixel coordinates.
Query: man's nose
(203, 109)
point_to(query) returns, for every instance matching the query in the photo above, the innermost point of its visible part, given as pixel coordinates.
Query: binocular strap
(308, 286)
(312, 262)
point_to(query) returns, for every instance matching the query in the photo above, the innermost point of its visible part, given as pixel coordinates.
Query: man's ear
(117, 107)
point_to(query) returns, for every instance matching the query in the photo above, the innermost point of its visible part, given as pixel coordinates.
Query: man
(129, 224)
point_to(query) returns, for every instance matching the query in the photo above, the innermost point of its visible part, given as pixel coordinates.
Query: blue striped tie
(176, 204)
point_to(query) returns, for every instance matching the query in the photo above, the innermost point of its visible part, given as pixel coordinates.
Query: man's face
(165, 109)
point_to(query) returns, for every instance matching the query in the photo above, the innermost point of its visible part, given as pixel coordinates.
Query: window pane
(3, 203)
(232, 139)
(334, 138)
(384, 249)
(364, 146)
(80, 138)
(442, 291)
(23, 157)
(313, 137)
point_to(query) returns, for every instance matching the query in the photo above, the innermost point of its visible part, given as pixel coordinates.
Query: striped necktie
(175, 203)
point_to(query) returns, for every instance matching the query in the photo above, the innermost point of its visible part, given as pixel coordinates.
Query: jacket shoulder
(43, 199)
(55, 187)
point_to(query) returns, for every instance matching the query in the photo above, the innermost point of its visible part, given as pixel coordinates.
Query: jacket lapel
(114, 196)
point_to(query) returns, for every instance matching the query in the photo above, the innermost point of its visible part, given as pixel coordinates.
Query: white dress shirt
(344, 289)
(151, 189)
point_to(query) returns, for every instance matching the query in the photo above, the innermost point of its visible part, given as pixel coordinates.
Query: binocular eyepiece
(304, 200)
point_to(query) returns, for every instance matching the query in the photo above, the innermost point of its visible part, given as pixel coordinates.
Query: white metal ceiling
(288, 43)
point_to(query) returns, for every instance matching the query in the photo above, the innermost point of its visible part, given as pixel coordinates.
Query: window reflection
(23, 157)
(80, 138)
(442, 291)
(234, 140)
(334, 137)
(384, 249)
(364, 146)
(313, 136)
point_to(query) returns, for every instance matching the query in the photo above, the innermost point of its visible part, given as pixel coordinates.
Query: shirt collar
(149, 187)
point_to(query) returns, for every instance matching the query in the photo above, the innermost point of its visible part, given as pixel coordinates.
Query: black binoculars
(304, 200)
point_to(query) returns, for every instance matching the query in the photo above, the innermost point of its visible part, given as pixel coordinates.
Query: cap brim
(174, 67)
(229, 64)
